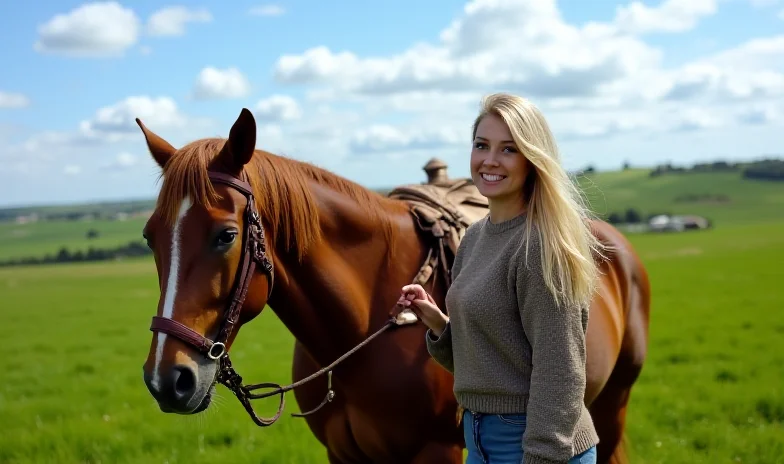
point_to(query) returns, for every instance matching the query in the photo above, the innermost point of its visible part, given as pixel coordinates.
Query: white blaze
(171, 285)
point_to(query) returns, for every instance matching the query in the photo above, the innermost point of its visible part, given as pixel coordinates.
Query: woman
(518, 305)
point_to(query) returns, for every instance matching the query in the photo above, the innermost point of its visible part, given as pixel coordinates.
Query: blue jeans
(498, 439)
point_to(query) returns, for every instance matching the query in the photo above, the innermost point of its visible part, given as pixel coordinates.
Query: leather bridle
(254, 254)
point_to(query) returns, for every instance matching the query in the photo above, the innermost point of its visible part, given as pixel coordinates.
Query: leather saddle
(443, 211)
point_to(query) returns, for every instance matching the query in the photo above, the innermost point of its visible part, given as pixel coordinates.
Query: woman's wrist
(439, 328)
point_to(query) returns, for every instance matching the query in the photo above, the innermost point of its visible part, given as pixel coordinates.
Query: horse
(236, 229)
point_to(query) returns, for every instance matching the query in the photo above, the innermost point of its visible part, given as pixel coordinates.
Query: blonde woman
(518, 306)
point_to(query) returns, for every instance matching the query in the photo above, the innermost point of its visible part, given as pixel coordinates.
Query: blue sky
(371, 90)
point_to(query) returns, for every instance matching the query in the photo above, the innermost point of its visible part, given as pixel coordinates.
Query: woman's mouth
(492, 178)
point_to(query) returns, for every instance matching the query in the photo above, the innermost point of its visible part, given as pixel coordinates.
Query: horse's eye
(147, 240)
(226, 237)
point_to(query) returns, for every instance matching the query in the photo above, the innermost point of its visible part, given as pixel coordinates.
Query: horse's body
(393, 403)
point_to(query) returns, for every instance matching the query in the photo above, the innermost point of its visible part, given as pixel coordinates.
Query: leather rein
(254, 255)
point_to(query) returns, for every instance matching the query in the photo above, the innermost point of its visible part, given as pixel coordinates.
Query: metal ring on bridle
(221, 350)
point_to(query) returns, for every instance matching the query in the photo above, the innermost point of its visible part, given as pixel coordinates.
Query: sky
(372, 90)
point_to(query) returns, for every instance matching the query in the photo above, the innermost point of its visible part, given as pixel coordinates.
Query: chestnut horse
(332, 257)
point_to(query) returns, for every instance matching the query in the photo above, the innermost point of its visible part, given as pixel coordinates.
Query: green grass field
(76, 337)
(41, 238)
(745, 200)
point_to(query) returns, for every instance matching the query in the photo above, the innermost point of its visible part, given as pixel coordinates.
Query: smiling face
(498, 168)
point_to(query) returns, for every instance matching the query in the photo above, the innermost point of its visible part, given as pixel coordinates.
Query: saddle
(443, 211)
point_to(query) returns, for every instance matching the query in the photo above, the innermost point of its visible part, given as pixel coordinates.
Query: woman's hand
(422, 304)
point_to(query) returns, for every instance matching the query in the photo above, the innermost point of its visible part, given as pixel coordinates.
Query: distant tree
(92, 233)
(632, 216)
(626, 166)
(614, 218)
(769, 169)
(63, 255)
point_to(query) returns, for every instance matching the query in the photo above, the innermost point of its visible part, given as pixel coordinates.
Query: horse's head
(209, 245)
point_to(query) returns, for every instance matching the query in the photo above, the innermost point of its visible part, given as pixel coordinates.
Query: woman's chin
(492, 189)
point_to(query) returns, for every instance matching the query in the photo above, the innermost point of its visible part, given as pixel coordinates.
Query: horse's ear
(242, 141)
(160, 149)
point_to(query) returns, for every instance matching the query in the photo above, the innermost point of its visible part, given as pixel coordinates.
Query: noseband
(254, 253)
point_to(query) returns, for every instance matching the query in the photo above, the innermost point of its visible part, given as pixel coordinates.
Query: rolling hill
(723, 197)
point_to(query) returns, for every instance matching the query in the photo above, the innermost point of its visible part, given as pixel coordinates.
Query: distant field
(41, 238)
(744, 201)
(725, 198)
(76, 337)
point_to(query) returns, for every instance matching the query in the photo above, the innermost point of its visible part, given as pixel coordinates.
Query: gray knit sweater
(510, 348)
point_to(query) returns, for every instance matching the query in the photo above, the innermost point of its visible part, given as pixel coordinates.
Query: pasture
(76, 336)
(38, 239)
(724, 197)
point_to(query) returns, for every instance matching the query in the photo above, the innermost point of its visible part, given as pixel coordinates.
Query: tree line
(630, 216)
(130, 250)
(765, 169)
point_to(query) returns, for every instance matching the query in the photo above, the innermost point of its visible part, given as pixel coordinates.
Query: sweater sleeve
(440, 348)
(557, 339)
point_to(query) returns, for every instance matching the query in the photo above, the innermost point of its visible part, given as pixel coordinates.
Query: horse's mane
(280, 185)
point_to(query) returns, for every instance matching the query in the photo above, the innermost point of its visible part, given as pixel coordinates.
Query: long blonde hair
(554, 204)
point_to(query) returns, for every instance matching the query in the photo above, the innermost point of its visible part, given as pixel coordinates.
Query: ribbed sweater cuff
(582, 442)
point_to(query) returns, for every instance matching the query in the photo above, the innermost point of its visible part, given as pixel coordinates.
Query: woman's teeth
(492, 177)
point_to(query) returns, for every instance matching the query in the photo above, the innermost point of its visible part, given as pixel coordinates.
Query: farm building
(667, 223)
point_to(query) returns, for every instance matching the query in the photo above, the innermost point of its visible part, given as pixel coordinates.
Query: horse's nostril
(184, 381)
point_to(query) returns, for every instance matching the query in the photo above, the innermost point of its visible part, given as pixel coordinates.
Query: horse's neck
(326, 299)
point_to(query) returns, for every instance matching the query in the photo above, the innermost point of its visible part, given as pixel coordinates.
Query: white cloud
(122, 161)
(13, 100)
(115, 122)
(213, 83)
(593, 81)
(384, 138)
(278, 108)
(669, 16)
(72, 170)
(97, 29)
(267, 10)
(547, 58)
(111, 125)
(760, 114)
(171, 21)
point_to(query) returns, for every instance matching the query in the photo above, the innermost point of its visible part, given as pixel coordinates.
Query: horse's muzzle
(175, 390)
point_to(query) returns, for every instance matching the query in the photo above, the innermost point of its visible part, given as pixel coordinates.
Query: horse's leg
(612, 402)
(435, 452)
(610, 406)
